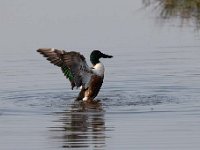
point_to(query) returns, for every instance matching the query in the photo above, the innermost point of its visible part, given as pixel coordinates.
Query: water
(150, 96)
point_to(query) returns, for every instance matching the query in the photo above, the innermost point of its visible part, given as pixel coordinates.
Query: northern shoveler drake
(75, 68)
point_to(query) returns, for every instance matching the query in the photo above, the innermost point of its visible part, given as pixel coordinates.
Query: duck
(75, 68)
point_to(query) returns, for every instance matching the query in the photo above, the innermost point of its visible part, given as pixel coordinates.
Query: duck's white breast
(99, 69)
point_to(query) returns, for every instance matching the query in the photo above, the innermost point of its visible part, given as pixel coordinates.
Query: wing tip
(41, 50)
(38, 50)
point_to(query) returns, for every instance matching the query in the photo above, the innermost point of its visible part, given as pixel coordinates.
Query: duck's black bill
(106, 56)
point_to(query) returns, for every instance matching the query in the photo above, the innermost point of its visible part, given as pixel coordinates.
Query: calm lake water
(150, 98)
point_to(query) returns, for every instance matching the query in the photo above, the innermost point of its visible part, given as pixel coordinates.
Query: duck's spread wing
(73, 65)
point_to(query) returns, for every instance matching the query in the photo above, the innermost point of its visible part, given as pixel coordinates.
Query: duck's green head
(96, 55)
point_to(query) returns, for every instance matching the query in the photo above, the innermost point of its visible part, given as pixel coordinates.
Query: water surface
(150, 96)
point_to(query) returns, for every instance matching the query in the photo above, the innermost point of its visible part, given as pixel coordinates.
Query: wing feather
(72, 64)
(51, 55)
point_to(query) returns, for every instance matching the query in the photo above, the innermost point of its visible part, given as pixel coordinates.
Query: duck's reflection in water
(83, 127)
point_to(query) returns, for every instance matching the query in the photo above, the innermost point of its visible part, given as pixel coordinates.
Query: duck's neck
(94, 61)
